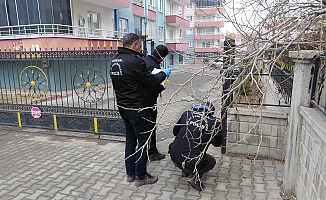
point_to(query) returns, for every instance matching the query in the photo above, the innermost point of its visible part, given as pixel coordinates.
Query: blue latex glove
(167, 71)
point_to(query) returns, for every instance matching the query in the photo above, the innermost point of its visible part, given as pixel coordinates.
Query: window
(123, 25)
(191, 5)
(33, 12)
(160, 5)
(206, 44)
(171, 35)
(27, 12)
(61, 12)
(22, 12)
(171, 59)
(170, 11)
(12, 13)
(93, 20)
(3, 13)
(208, 3)
(151, 5)
(189, 31)
(191, 43)
(46, 12)
(180, 33)
(189, 18)
(151, 29)
(138, 2)
(180, 10)
(206, 18)
(138, 25)
(160, 33)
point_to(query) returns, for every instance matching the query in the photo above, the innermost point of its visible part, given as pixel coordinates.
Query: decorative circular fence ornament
(89, 84)
(34, 82)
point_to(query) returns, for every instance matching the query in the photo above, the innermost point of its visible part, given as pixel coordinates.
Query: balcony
(57, 30)
(177, 45)
(182, 2)
(115, 4)
(208, 35)
(177, 21)
(208, 48)
(209, 23)
(205, 10)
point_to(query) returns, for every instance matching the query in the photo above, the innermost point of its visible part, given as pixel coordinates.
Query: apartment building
(176, 23)
(206, 30)
(59, 24)
(146, 18)
(93, 24)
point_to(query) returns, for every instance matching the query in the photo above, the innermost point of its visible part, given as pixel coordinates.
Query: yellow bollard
(95, 125)
(55, 123)
(19, 119)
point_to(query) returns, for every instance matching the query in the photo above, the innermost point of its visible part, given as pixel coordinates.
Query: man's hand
(167, 71)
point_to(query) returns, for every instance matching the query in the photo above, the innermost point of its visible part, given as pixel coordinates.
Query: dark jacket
(152, 63)
(133, 83)
(193, 132)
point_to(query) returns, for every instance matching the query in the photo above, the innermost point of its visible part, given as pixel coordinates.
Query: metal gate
(60, 90)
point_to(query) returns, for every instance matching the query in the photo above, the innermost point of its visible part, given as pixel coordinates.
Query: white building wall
(190, 12)
(311, 182)
(81, 8)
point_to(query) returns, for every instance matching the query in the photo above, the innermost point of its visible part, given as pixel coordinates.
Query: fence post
(303, 60)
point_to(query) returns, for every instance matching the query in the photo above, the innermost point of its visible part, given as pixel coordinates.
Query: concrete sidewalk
(44, 164)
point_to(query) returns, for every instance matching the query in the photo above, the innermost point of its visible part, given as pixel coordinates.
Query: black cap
(160, 51)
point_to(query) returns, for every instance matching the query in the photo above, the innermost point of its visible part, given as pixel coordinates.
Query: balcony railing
(209, 20)
(167, 13)
(176, 41)
(209, 46)
(207, 33)
(59, 30)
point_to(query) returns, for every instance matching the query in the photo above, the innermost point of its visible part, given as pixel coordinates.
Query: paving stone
(259, 187)
(246, 182)
(50, 169)
(260, 196)
(245, 190)
(221, 187)
(272, 185)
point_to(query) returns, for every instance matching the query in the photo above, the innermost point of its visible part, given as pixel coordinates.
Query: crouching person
(196, 129)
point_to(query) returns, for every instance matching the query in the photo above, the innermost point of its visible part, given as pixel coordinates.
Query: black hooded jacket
(133, 83)
(151, 64)
(193, 132)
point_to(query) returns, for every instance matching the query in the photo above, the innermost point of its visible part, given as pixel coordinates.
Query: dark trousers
(207, 163)
(137, 133)
(152, 147)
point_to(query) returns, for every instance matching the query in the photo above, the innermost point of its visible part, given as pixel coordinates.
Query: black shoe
(156, 156)
(149, 179)
(196, 184)
(184, 174)
(130, 178)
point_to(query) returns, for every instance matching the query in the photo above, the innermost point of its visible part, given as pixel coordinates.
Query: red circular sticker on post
(36, 112)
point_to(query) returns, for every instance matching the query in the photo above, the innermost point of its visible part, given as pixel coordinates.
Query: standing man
(133, 83)
(153, 62)
(196, 129)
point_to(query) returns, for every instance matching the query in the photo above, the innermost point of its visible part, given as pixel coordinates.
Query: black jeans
(207, 163)
(152, 147)
(137, 133)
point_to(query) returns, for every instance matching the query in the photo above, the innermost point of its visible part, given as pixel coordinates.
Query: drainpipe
(164, 30)
(116, 21)
(145, 27)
